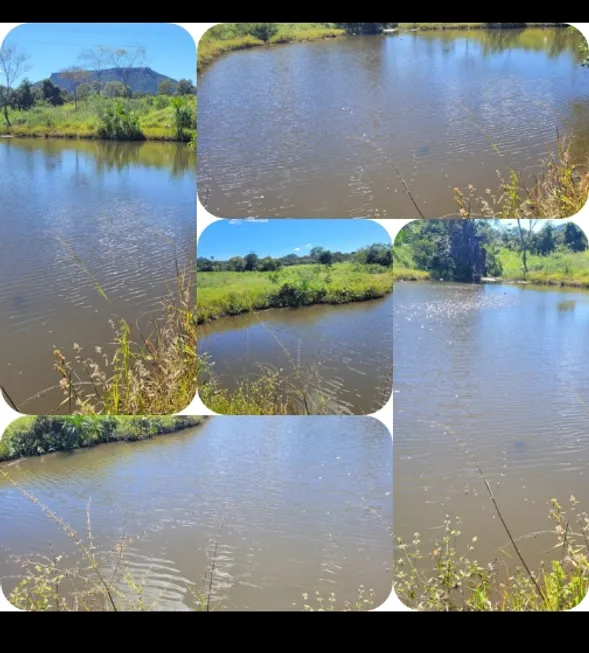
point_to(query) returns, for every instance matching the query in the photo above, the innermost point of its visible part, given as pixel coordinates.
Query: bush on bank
(34, 436)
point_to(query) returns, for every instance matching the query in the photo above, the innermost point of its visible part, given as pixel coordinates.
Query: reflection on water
(344, 352)
(123, 210)
(333, 119)
(499, 372)
(295, 505)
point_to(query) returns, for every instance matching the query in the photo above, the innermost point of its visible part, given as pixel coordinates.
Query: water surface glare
(499, 372)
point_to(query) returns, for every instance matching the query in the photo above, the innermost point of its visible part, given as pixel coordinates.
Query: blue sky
(53, 46)
(226, 238)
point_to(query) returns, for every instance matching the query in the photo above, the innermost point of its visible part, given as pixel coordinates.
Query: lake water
(342, 351)
(499, 372)
(314, 129)
(296, 505)
(114, 207)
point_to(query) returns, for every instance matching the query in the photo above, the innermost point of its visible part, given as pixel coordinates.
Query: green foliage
(227, 37)
(114, 89)
(52, 94)
(450, 579)
(263, 31)
(184, 117)
(35, 436)
(251, 262)
(231, 293)
(119, 123)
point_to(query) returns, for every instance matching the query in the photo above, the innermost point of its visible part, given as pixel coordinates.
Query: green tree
(13, 64)
(24, 97)
(574, 238)
(236, 264)
(546, 240)
(52, 94)
(76, 76)
(204, 265)
(114, 89)
(185, 87)
(326, 258)
(315, 252)
(264, 31)
(165, 87)
(251, 262)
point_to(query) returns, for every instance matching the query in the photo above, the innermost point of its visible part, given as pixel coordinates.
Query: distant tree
(546, 240)
(84, 90)
(526, 235)
(325, 257)
(24, 96)
(574, 238)
(379, 254)
(251, 261)
(315, 253)
(96, 60)
(204, 265)
(76, 76)
(13, 64)
(51, 94)
(126, 62)
(236, 264)
(114, 89)
(268, 264)
(364, 28)
(185, 87)
(263, 31)
(165, 87)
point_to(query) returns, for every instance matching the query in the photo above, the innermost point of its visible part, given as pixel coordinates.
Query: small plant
(119, 123)
(264, 31)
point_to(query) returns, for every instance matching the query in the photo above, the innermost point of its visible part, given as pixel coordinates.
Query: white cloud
(297, 249)
(308, 245)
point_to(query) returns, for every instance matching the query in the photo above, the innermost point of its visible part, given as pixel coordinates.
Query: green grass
(559, 268)
(228, 37)
(35, 436)
(407, 274)
(156, 119)
(230, 293)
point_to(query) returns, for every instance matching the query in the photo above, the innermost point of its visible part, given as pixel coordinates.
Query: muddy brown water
(499, 372)
(343, 352)
(117, 207)
(296, 504)
(292, 130)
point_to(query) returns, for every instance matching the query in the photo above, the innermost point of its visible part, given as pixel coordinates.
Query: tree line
(375, 254)
(468, 249)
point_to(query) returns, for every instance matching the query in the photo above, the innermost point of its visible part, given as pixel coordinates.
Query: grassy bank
(147, 118)
(230, 293)
(34, 436)
(443, 26)
(407, 274)
(234, 36)
(561, 268)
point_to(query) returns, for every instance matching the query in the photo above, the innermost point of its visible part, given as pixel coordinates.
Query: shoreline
(566, 283)
(246, 43)
(116, 436)
(220, 47)
(468, 26)
(296, 307)
(91, 137)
